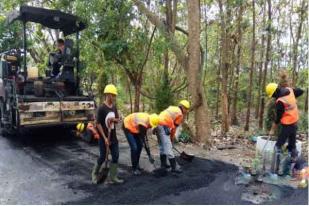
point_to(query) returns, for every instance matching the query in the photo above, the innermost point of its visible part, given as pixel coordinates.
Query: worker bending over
(170, 119)
(135, 128)
(286, 115)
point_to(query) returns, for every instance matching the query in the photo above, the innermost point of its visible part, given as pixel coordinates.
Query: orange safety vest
(93, 130)
(171, 117)
(132, 121)
(290, 115)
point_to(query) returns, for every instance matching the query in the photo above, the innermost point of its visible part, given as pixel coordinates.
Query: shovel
(263, 150)
(103, 173)
(184, 155)
(157, 172)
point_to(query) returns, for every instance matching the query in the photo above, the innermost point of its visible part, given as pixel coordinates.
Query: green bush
(303, 123)
(184, 137)
(163, 94)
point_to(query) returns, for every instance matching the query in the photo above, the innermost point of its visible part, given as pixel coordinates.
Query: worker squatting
(164, 125)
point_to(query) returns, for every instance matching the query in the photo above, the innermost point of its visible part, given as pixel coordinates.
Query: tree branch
(178, 28)
(146, 95)
(174, 44)
(182, 86)
(148, 50)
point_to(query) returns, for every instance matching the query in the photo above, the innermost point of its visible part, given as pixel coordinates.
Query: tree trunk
(199, 104)
(224, 71)
(278, 42)
(268, 50)
(204, 65)
(137, 95)
(130, 95)
(306, 101)
(169, 22)
(218, 84)
(194, 69)
(260, 89)
(234, 119)
(231, 74)
(252, 68)
(304, 8)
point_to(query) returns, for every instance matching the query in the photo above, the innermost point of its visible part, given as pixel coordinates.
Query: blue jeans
(136, 145)
(113, 148)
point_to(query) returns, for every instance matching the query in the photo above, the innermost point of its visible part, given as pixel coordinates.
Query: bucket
(265, 157)
(269, 148)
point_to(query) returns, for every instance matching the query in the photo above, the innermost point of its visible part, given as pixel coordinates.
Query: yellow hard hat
(110, 89)
(185, 103)
(80, 127)
(270, 89)
(153, 120)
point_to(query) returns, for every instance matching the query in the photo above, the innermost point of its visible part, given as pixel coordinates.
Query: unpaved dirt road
(53, 168)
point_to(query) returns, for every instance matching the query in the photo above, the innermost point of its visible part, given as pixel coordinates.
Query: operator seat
(67, 73)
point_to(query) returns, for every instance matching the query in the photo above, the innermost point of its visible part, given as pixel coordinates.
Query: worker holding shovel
(286, 115)
(107, 116)
(135, 128)
(170, 119)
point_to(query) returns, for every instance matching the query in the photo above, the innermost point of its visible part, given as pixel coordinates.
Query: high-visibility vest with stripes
(171, 117)
(290, 115)
(132, 121)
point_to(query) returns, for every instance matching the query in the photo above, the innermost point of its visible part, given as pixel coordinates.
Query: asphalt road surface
(50, 168)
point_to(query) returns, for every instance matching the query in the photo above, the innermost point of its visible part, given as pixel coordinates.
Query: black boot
(163, 160)
(174, 166)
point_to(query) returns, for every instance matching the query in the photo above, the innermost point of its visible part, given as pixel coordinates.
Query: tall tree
(261, 61)
(268, 50)
(225, 65)
(252, 68)
(234, 120)
(196, 89)
(302, 16)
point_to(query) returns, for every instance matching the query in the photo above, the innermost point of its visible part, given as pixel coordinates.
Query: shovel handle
(176, 149)
(107, 147)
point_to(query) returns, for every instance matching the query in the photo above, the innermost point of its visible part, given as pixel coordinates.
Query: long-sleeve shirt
(279, 105)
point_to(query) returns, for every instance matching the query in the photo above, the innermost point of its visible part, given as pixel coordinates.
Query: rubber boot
(293, 159)
(113, 179)
(94, 173)
(276, 160)
(139, 168)
(284, 165)
(163, 160)
(136, 172)
(174, 166)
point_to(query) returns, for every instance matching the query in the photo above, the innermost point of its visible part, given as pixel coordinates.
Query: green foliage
(114, 49)
(164, 95)
(10, 36)
(270, 114)
(102, 81)
(303, 122)
(184, 137)
(115, 43)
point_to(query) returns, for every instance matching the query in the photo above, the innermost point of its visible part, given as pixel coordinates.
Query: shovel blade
(103, 175)
(187, 157)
